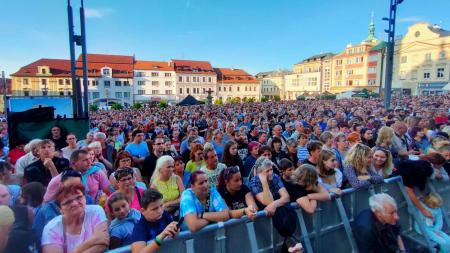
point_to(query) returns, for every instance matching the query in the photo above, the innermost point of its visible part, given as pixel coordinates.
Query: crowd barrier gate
(331, 222)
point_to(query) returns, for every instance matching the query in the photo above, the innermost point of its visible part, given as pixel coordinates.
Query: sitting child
(122, 225)
(433, 227)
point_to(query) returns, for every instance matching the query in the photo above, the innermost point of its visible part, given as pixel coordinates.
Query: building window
(26, 93)
(140, 74)
(372, 82)
(154, 92)
(372, 70)
(442, 55)
(339, 62)
(404, 59)
(61, 93)
(126, 94)
(413, 74)
(141, 83)
(118, 94)
(94, 83)
(118, 83)
(440, 73)
(155, 83)
(168, 92)
(230, 88)
(154, 74)
(167, 83)
(254, 88)
(180, 79)
(44, 82)
(141, 92)
(96, 95)
(426, 74)
(349, 72)
(126, 83)
(210, 79)
(43, 71)
(181, 90)
(402, 75)
(167, 74)
(61, 82)
(67, 81)
(428, 57)
(187, 90)
(188, 79)
(107, 83)
(106, 72)
(204, 79)
(25, 81)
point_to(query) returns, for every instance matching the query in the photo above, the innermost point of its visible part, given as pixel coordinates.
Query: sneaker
(293, 246)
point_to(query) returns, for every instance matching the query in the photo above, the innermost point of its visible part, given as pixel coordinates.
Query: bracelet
(158, 240)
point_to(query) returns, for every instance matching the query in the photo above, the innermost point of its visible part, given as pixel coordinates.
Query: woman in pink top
(127, 186)
(79, 228)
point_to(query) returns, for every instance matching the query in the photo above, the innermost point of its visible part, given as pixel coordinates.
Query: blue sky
(256, 35)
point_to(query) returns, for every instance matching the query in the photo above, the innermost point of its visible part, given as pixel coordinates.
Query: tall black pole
(83, 51)
(390, 52)
(73, 67)
(4, 92)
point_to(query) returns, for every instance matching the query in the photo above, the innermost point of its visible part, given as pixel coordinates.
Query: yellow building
(358, 66)
(44, 77)
(422, 61)
(272, 83)
(308, 77)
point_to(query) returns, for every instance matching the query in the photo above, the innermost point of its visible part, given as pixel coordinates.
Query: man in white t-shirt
(72, 145)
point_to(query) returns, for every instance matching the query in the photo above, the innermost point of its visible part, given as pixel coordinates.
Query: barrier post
(345, 221)
(304, 232)
(190, 246)
(252, 236)
(220, 239)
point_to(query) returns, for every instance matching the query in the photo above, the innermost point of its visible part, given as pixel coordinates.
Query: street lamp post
(390, 52)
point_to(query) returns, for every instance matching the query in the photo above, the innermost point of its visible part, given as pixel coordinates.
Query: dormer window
(43, 70)
(106, 71)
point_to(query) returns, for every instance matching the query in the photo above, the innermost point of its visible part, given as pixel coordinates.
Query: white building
(233, 83)
(153, 81)
(194, 78)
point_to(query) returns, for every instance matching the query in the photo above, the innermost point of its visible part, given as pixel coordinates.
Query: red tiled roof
(228, 75)
(153, 65)
(58, 68)
(122, 66)
(193, 67)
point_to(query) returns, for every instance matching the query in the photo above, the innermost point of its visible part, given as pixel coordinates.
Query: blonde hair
(6, 216)
(356, 157)
(385, 136)
(305, 176)
(388, 165)
(433, 199)
(160, 163)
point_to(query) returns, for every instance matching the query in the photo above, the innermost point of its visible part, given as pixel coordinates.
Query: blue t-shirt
(123, 228)
(190, 204)
(219, 148)
(145, 230)
(137, 150)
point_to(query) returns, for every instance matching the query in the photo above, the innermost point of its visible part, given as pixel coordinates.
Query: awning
(431, 85)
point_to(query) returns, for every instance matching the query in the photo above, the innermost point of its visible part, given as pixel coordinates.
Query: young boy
(302, 151)
(155, 223)
(125, 218)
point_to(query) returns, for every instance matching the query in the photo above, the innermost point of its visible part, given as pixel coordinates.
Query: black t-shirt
(237, 200)
(295, 191)
(414, 173)
(307, 161)
(60, 143)
(149, 165)
(37, 172)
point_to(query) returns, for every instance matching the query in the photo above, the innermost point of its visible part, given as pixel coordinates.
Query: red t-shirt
(15, 154)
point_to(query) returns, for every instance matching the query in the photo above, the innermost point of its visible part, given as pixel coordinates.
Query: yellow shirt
(168, 189)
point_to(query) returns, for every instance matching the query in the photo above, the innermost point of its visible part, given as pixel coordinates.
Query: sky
(255, 35)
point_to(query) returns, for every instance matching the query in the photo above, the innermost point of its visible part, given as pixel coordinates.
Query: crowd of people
(145, 174)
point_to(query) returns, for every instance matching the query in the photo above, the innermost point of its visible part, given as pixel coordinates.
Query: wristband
(158, 241)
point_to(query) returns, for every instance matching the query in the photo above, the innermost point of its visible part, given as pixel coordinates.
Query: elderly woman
(127, 186)
(202, 204)
(382, 161)
(125, 160)
(304, 190)
(358, 170)
(167, 183)
(79, 228)
(97, 158)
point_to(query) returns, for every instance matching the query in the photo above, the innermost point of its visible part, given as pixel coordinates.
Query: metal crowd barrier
(331, 222)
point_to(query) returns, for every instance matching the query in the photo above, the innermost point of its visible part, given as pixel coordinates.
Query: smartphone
(180, 221)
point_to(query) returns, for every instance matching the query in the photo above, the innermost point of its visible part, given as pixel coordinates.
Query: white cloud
(412, 19)
(97, 13)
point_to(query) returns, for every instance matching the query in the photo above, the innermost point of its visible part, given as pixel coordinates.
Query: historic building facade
(153, 81)
(236, 83)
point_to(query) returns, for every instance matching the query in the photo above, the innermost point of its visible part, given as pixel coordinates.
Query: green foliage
(327, 96)
(276, 98)
(302, 98)
(137, 106)
(93, 107)
(249, 100)
(218, 101)
(116, 106)
(264, 99)
(163, 104)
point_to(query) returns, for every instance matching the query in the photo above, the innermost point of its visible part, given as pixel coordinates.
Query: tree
(93, 107)
(163, 104)
(264, 99)
(276, 98)
(302, 98)
(116, 106)
(218, 101)
(250, 100)
(137, 106)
